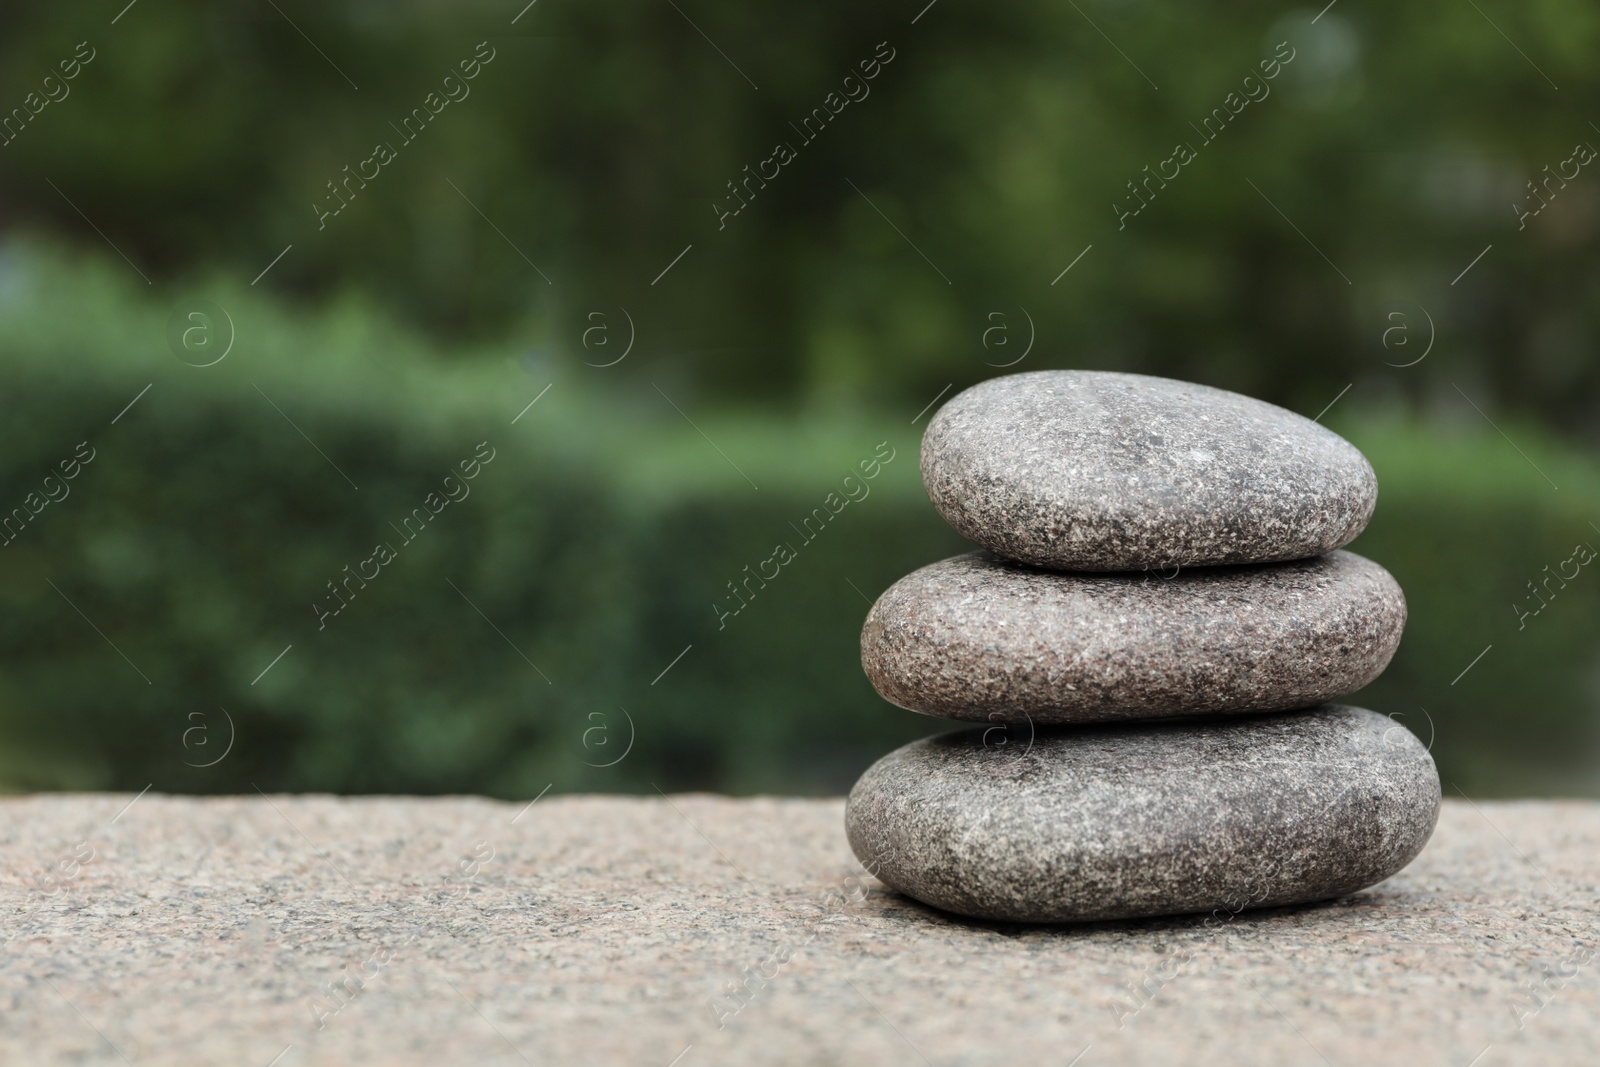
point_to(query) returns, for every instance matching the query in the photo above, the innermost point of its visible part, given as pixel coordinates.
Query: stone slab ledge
(698, 930)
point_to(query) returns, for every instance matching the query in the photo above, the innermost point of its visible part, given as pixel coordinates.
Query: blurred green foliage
(595, 545)
(602, 136)
(1316, 250)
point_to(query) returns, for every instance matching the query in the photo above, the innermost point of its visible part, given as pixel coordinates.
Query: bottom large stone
(1083, 823)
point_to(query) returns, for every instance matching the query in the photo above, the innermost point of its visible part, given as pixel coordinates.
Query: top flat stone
(1098, 471)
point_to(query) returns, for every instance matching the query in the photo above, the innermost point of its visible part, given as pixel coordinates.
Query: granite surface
(1093, 470)
(604, 930)
(984, 640)
(1120, 822)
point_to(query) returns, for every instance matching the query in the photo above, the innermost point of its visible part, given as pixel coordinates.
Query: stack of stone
(1150, 635)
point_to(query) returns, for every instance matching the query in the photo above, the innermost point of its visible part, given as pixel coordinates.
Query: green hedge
(596, 541)
(1465, 522)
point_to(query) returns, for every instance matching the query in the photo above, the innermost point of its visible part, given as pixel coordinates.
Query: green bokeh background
(1313, 252)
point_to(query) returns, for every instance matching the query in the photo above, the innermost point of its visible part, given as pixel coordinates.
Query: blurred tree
(988, 155)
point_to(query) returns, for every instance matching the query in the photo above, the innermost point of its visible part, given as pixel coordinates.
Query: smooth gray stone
(980, 639)
(1126, 821)
(1090, 470)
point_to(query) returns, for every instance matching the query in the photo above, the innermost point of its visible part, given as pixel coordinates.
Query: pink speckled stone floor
(604, 930)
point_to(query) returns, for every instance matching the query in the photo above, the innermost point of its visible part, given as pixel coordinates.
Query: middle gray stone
(981, 639)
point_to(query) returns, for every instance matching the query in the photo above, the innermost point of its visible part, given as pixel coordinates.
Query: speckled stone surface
(984, 640)
(603, 930)
(1092, 470)
(1080, 823)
